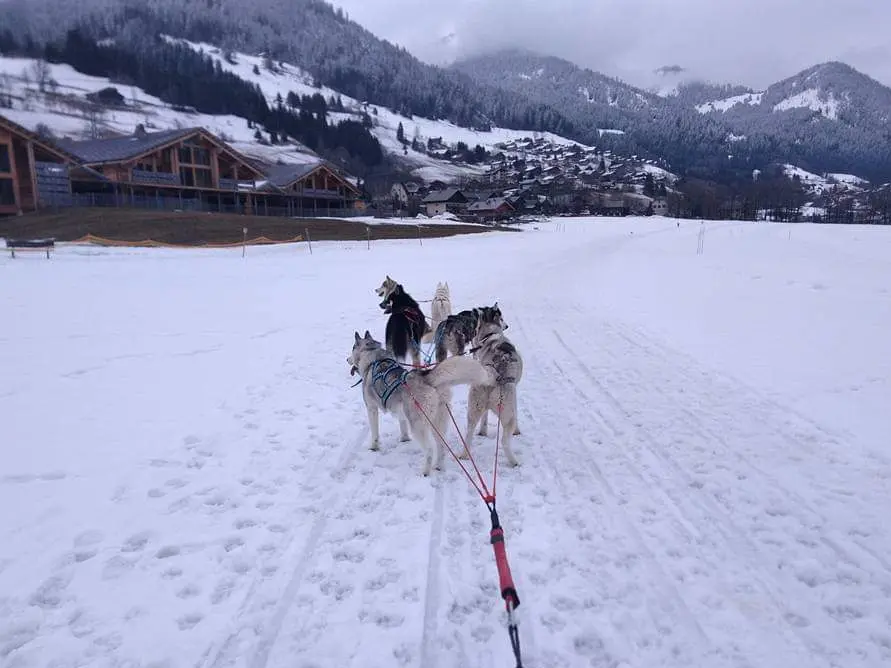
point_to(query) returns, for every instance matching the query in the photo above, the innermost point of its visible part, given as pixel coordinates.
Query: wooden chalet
(187, 169)
(449, 200)
(310, 189)
(32, 170)
(490, 209)
(193, 169)
(190, 166)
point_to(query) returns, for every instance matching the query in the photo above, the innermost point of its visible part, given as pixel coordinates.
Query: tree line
(182, 77)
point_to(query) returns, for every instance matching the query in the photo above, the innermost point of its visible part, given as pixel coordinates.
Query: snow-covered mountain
(832, 90)
(828, 118)
(55, 99)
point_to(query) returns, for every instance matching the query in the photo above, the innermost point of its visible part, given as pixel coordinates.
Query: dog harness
(413, 314)
(386, 377)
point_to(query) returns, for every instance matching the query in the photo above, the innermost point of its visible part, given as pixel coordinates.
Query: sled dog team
(420, 395)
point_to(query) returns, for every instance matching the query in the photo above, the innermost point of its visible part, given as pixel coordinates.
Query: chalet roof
(491, 204)
(119, 149)
(284, 175)
(478, 195)
(51, 146)
(442, 196)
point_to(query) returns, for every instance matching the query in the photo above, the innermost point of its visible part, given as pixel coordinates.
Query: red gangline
(479, 475)
(484, 496)
(497, 444)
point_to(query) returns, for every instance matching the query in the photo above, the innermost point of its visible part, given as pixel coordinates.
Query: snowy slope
(752, 99)
(817, 184)
(288, 77)
(63, 111)
(189, 484)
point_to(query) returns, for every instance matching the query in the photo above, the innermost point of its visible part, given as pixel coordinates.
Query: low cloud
(753, 42)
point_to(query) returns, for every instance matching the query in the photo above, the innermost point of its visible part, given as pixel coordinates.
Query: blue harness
(386, 377)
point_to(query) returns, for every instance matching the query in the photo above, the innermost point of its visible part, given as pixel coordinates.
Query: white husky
(413, 395)
(440, 308)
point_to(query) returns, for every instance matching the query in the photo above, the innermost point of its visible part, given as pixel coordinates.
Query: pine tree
(400, 134)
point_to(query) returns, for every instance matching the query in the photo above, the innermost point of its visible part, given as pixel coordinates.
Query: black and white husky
(406, 325)
(505, 366)
(386, 287)
(457, 331)
(388, 387)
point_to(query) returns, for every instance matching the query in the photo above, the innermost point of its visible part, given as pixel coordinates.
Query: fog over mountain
(750, 42)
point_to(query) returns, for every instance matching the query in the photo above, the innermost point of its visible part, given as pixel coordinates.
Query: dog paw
(404, 439)
(375, 446)
(517, 431)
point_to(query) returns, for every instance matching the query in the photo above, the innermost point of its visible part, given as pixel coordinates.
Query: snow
(64, 113)
(287, 77)
(817, 184)
(824, 103)
(705, 464)
(32, 108)
(658, 172)
(753, 99)
(848, 179)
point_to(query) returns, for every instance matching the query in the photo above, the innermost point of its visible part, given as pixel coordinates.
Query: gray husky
(501, 358)
(455, 332)
(387, 386)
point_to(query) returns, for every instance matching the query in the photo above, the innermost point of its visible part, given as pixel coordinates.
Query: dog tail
(459, 371)
(400, 345)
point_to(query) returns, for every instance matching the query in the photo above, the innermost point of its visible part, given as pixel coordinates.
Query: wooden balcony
(155, 178)
(321, 193)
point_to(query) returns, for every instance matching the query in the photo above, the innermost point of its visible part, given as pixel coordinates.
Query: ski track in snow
(664, 514)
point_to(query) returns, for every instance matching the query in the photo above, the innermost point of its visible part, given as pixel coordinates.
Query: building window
(203, 178)
(187, 176)
(195, 177)
(7, 193)
(193, 154)
(200, 156)
(5, 162)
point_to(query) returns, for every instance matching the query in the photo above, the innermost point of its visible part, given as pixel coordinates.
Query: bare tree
(95, 119)
(44, 131)
(41, 74)
(5, 91)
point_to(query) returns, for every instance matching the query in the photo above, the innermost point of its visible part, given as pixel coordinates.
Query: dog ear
(358, 338)
(367, 334)
(446, 285)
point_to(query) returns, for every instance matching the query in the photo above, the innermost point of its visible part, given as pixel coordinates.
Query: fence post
(420, 240)
(368, 233)
(243, 241)
(308, 240)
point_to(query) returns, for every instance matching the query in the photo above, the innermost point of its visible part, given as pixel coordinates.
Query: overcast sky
(753, 42)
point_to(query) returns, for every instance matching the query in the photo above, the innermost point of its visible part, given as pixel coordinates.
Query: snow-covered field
(705, 478)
